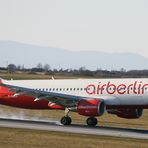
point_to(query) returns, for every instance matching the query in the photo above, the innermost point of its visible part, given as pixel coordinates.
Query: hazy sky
(104, 25)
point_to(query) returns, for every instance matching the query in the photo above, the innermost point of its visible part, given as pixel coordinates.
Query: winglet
(52, 77)
(1, 80)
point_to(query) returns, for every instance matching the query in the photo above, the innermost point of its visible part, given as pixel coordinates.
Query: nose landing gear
(66, 120)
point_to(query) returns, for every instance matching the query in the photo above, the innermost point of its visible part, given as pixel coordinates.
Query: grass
(22, 138)
(26, 76)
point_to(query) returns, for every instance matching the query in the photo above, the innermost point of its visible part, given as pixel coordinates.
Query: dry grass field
(26, 76)
(21, 138)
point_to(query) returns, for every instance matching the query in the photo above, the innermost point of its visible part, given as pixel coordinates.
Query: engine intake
(93, 107)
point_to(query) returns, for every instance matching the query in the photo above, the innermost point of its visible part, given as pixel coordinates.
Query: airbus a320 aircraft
(125, 98)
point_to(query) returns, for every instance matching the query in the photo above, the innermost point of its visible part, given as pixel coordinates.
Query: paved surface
(82, 129)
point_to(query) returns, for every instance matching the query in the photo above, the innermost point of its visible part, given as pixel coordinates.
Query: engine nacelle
(93, 107)
(128, 113)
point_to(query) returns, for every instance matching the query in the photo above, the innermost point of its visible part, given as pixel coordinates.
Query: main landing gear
(91, 121)
(66, 120)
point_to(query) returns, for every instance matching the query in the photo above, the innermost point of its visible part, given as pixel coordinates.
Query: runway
(79, 129)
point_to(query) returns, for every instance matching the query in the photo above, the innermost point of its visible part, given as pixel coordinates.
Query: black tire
(66, 120)
(91, 121)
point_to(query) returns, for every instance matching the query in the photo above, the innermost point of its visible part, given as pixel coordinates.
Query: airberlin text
(137, 87)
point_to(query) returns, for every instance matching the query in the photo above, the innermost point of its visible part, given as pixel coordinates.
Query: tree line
(82, 71)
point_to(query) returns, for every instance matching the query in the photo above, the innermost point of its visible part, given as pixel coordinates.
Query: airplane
(126, 98)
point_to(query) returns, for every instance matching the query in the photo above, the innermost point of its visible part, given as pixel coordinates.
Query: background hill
(31, 55)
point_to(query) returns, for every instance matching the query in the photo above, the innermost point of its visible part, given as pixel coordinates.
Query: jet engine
(127, 113)
(92, 107)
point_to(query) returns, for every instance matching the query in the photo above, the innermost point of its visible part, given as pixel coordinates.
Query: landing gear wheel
(66, 120)
(92, 121)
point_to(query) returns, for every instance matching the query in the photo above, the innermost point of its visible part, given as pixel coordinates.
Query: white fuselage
(112, 91)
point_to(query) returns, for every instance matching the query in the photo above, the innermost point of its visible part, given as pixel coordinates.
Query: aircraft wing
(56, 98)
